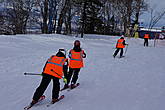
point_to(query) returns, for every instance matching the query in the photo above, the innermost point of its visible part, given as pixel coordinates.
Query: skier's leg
(121, 52)
(69, 75)
(65, 70)
(75, 76)
(56, 88)
(147, 42)
(42, 87)
(116, 52)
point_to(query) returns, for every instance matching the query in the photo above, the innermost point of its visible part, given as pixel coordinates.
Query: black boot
(114, 56)
(65, 87)
(73, 86)
(54, 100)
(33, 102)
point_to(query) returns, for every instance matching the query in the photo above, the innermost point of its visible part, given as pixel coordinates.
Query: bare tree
(68, 18)
(155, 17)
(139, 6)
(110, 15)
(44, 12)
(127, 10)
(17, 15)
(62, 15)
(47, 14)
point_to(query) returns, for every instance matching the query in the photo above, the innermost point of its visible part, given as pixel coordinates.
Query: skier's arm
(84, 54)
(116, 44)
(124, 43)
(65, 68)
(69, 55)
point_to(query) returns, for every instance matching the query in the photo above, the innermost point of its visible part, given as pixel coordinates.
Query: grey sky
(159, 6)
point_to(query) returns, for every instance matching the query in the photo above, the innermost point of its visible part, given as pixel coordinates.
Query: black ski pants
(44, 84)
(73, 73)
(117, 50)
(146, 42)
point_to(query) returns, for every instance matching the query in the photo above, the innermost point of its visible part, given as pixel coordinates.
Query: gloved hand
(65, 80)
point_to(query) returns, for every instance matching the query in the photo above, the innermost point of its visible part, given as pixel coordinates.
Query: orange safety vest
(54, 66)
(76, 60)
(120, 43)
(146, 36)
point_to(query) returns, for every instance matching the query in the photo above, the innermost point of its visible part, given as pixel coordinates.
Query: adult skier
(119, 47)
(76, 62)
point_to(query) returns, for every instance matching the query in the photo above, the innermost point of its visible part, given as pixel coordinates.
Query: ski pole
(56, 73)
(32, 74)
(125, 50)
(40, 74)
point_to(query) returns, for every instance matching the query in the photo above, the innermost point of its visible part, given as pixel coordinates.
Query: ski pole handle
(64, 79)
(32, 74)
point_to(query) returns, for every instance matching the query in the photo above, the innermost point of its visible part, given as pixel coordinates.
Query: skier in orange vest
(53, 69)
(146, 37)
(119, 47)
(76, 56)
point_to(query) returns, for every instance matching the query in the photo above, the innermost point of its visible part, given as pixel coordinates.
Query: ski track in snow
(135, 82)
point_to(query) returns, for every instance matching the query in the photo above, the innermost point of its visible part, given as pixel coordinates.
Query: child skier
(119, 47)
(53, 70)
(76, 56)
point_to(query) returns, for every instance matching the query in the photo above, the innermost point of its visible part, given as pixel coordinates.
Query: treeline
(69, 16)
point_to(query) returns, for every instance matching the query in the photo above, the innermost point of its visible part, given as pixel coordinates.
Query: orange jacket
(76, 59)
(146, 36)
(54, 66)
(120, 43)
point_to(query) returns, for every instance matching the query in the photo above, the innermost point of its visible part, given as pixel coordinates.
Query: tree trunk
(62, 16)
(83, 20)
(69, 20)
(45, 17)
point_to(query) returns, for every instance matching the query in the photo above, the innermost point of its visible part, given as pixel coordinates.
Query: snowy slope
(135, 82)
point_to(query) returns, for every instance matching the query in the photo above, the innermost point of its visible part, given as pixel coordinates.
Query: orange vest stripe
(60, 64)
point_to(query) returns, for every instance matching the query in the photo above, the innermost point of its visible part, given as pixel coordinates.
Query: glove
(65, 80)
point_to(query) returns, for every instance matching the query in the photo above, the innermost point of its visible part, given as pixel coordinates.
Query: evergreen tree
(92, 16)
(89, 15)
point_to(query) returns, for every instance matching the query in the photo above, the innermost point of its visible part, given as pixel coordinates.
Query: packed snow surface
(134, 82)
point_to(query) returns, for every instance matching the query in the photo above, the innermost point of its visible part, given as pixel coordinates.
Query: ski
(65, 88)
(73, 87)
(60, 98)
(70, 88)
(31, 105)
(121, 56)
